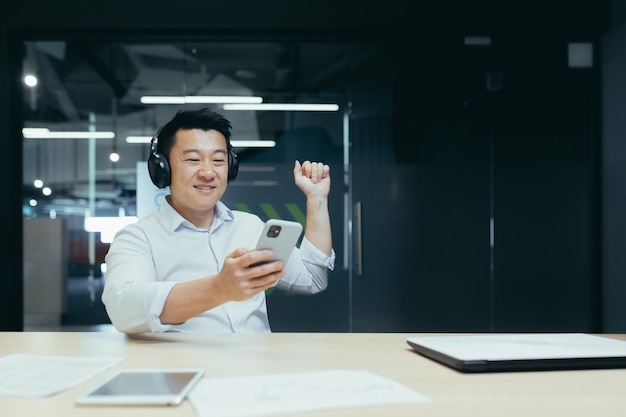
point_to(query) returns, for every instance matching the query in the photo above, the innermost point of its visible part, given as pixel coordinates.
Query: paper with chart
(23, 375)
(252, 396)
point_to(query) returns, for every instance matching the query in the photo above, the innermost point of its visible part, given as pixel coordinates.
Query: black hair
(204, 119)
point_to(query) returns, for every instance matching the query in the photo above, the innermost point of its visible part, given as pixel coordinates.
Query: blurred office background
(476, 150)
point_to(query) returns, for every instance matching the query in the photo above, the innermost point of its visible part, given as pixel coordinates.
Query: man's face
(199, 167)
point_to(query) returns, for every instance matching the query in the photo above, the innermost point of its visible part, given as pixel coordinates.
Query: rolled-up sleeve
(132, 296)
(307, 270)
(311, 254)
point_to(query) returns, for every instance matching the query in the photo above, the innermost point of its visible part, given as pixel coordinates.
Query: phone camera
(273, 231)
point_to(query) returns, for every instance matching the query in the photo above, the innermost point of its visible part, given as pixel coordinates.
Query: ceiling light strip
(283, 107)
(199, 99)
(42, 133)
(253, 143)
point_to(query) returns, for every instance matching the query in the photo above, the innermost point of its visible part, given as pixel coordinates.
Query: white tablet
(143, 387)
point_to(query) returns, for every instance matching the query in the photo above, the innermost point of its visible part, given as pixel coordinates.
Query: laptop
(506, 352)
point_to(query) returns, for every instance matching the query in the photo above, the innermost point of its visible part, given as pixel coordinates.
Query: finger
(320, 172)
(259, 256)
(238, 252)
(267, 281)
(297, 168)
(306, 169)
(317, 170)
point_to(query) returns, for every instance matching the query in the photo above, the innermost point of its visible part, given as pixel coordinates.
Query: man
(187, 266)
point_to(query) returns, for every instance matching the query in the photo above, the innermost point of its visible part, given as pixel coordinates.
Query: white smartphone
(281, 236)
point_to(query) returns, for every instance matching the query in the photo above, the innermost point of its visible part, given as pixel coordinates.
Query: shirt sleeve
(311, 254)
(132, 296)
(307, 270)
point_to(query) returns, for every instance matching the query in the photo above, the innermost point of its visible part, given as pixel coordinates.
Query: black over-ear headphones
(159, 168)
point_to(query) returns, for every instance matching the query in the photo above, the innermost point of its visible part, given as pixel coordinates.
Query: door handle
(358, 223)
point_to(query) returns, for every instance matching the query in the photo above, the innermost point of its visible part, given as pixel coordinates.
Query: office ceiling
(79, 79)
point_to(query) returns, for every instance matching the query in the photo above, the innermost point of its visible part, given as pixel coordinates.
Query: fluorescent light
(35, 130)
(138, 139)
(236, 143)
(282, 107)
(43, 133)
(253, 143)
(199, 99)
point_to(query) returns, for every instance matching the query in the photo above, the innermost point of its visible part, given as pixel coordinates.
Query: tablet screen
(145, 386)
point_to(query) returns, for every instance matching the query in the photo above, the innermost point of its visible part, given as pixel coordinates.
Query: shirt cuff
(154, 301)
(312, 254)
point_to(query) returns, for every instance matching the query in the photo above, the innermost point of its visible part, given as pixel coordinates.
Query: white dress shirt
(147, 258)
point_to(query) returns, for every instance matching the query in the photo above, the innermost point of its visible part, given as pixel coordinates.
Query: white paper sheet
(23, 375)
(265, 395)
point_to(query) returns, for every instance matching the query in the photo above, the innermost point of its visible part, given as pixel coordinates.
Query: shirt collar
(173, 220)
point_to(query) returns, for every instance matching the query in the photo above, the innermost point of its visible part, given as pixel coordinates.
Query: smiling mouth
(203, 187)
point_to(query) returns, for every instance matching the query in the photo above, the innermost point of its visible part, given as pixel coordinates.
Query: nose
(206, 170)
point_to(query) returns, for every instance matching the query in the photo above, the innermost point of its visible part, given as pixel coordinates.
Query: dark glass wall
(473, 166)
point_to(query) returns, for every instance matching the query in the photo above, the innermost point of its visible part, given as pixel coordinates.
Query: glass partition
(115, 96)
(463, 172)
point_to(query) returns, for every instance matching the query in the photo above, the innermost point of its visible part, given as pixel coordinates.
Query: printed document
(266, 395)
(23, 375)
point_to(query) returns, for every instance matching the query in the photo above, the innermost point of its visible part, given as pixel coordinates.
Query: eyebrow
(193, 150)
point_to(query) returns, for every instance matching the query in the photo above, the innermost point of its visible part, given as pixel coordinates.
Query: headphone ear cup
(159, 170)
(233, 165)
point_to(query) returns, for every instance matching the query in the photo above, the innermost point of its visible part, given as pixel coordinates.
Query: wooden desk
(560, 393)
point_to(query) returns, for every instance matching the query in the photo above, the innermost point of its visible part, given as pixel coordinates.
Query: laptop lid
(522, 352)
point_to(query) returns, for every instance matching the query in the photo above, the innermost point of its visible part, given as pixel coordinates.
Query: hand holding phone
(281, 236)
